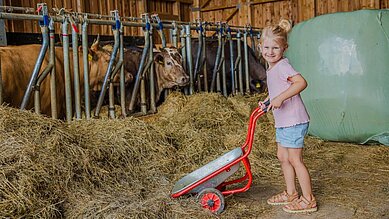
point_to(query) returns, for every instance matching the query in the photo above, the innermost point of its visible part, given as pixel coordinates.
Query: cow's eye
(169, 63)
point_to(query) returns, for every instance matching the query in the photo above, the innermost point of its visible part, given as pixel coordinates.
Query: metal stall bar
(204, 60)
(76, 69)
(85, 57)
(141, 65)
(174, 34)
(66, 64)
(42, 52)
(107, 77)
(49, 68)
(215, 75)
(122, 77)
(118, 66)
(153, 104)
(232, 69)
(159, 28)
(238, 62)
(189, 58)
(246, 62)
(199, 55)
(184, 53)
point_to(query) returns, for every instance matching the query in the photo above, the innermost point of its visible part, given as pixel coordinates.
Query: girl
(291, 119)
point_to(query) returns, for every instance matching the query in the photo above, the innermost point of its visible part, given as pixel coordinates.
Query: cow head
(99, 57)
(169, 70)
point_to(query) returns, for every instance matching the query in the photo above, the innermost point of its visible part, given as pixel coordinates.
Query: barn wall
(167, 10)
(258, 13)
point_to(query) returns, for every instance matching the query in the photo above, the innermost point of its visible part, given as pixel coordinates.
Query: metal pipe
(210, 26)
(76, 73)
(53, 76)
(189, 58)
(199, 51)
(108, 73)
(204, 63)
(239, 62)
(38, 64)
(217, 61)
(223, 65)
(174, 35)
(43, 75)
(66, 63)
(153, 104)
(85, 57)
(140, 70)
(118, 66)
(183, 54)
(246, 62)
(122, 76)
(232, 69)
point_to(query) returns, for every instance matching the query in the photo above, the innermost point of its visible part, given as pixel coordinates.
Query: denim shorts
(293, 136)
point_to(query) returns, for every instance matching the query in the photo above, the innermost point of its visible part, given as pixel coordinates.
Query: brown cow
(17, 63)
(167, 64)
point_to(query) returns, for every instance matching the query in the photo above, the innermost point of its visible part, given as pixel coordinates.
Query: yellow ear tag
(89, 57)
(160, 62)
(257, 85)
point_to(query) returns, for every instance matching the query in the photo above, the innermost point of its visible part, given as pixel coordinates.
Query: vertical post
(184, 53)
(204, 61)
(240, 76)
(246, 62)
(122, 76)
(53, 81)
(76, 70)
(142, 63)
(44, 29)
(66, 64)
(85, 57)
(189, 57)
(232, 69)
(153, 107)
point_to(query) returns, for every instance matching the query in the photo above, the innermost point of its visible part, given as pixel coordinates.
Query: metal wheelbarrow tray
(209, 180)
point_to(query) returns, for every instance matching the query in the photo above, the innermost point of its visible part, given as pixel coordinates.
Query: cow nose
(183, 80)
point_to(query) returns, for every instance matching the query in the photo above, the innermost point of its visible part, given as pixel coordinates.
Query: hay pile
(127, 168)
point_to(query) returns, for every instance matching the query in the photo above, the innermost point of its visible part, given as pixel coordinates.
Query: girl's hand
(261, 104)
(275, 103)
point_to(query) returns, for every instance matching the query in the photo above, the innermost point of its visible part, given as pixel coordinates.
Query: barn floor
(126, 168)
(349, 181)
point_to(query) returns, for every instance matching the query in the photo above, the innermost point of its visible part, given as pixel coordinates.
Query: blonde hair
(278, 33)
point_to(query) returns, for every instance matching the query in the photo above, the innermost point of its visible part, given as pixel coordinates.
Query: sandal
(301, 205)
(282, 198)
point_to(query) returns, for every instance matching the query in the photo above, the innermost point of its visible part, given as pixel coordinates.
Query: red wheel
(211, 199)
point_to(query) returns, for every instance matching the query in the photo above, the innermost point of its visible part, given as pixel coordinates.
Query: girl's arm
(298, 85)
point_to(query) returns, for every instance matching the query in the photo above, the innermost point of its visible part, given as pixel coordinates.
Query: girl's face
(272, 52)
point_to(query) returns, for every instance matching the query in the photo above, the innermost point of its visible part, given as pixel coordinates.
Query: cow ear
(96, 44)
(159, 59)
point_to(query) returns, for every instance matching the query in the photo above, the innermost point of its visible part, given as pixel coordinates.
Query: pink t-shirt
(292, 111)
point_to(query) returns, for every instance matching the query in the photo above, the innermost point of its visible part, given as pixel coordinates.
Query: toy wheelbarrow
(208, 182)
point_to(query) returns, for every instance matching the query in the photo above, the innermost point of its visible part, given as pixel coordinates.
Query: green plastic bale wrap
(345, 59)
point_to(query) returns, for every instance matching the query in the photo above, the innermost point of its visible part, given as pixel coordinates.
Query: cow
(167, 68)
(257, 72)
(17, 64)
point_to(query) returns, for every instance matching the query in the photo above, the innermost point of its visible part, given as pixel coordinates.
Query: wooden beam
(177, 10)
(255, 2)
(166, 16)
(232, 14)
(181, 1)
(217, 8)
(205, 3)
